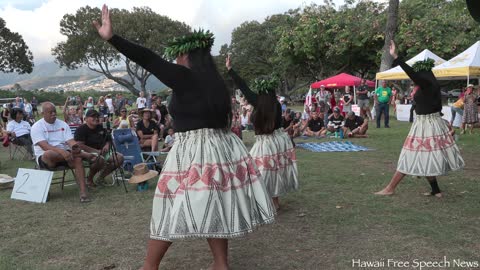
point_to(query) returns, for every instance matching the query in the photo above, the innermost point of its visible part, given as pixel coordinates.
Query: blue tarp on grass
(332, 147)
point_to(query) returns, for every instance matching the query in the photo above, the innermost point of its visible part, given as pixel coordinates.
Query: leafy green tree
(14, 53)
(84, 48)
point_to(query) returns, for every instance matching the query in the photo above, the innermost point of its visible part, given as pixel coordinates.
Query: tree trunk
(390, 30)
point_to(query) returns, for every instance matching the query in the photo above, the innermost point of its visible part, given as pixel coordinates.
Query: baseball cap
(470, 85)
(92, 113)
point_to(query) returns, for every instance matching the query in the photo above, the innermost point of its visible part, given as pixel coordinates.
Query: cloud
(38, 20)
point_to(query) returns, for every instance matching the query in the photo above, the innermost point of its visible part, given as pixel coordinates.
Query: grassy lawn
(331, 220)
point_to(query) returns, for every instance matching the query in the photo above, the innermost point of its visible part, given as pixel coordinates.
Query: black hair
(219, 101)
(15, 111)
(263, 118)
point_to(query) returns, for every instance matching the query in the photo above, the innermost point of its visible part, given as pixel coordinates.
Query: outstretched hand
(105, 30)
(228, 64)
(393, 52)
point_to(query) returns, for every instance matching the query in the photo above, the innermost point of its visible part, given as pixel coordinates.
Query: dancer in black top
(429, 149)
(209, 186)
(273, 150)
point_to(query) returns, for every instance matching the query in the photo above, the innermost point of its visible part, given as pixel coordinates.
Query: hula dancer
(429, 149)
(273, 150)
(209, 187)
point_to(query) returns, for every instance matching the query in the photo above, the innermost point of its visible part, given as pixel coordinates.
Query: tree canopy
(84, 48)
(14, 53)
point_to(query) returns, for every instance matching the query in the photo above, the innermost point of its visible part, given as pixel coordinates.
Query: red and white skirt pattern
(275, 157)
(209, 188)
(429, 149)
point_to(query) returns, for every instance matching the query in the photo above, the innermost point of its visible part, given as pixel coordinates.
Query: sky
(38, 20)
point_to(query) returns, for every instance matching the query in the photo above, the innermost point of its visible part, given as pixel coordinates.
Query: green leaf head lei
(199, 39)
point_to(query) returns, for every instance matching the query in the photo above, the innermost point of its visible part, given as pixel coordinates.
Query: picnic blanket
(332, 147)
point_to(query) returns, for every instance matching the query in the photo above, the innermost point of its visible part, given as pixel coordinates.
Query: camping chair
(18, 150)
(60, 180)
(126, 142)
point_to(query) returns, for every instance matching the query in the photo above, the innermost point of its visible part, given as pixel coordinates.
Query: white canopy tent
(466, 65)
(397, 72)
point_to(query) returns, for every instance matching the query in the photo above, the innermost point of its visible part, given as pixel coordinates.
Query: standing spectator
(149, 100)
(323, 95)
(111, 108)
(72, 115)
(470, 114)
(6, 113)
(28, 109)
(383, 96)
(119, 103)
(163, 109)
(395, 99)
(457, 107)
(335, 121)
(18, 103)
(347, 101)
(315, 126)
(235, 105)
(283, 103)
(89, 105)
(355, 126)
(102, 109)
(141, 101)
(412, 102)
(34, 106)
(364, 100)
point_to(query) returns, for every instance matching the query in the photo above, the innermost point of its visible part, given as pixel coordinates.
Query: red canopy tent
(341, 80)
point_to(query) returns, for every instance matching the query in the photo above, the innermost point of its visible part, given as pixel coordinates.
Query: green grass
(331, 220)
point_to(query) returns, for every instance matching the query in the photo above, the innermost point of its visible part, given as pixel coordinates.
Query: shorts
(363, 103)
(43, 165)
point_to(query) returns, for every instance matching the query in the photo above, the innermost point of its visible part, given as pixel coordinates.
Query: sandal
(84, 199)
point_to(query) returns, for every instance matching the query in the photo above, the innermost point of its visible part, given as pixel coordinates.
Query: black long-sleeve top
(428, 98)
(252, 96)
(189, 105)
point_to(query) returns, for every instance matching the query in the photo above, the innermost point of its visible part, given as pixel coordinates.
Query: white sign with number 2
(32, 185)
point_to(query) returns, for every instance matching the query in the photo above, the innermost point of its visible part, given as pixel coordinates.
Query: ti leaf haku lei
(197, 40)
(424, 65)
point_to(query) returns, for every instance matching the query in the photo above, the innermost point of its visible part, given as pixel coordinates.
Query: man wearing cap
(54, 146)
(95, 142)
(335, 121)
(383, 96)
(355, 126)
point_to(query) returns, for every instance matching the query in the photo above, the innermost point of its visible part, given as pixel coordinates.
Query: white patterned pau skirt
(275, 157)
(429, 149)
(209, 188)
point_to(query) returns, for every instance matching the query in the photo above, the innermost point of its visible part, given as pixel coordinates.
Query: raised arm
(174, 76)
(420, 81)
(249, 94)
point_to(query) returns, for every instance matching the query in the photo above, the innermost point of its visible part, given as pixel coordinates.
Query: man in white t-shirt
(54, 146)
(141, 101)
(109, 102)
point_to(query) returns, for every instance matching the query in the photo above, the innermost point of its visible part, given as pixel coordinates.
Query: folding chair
(16, 150)
(60, 179)
(126, 142)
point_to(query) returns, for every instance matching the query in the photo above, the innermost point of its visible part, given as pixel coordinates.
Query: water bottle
(341, 133)
(336, 134)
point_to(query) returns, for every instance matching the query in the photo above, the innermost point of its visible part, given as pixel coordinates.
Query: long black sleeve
(173, 75)
(249, 94)
(427, 98)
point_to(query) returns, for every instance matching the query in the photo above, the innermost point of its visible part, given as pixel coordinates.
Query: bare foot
(384, 192)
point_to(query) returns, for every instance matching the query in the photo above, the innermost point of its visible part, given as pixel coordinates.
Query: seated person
(133, 118)
(287, 122)
(335, 121)
(72, 115)
(315, 126)
(169, 140)
(147, 131)
(18, 130)
(54, 146)
(95, 142)
(355, 126)
(236, 125)
(122, 120)
(299, 125)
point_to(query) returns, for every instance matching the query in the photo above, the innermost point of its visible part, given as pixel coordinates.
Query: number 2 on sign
(24, 182)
